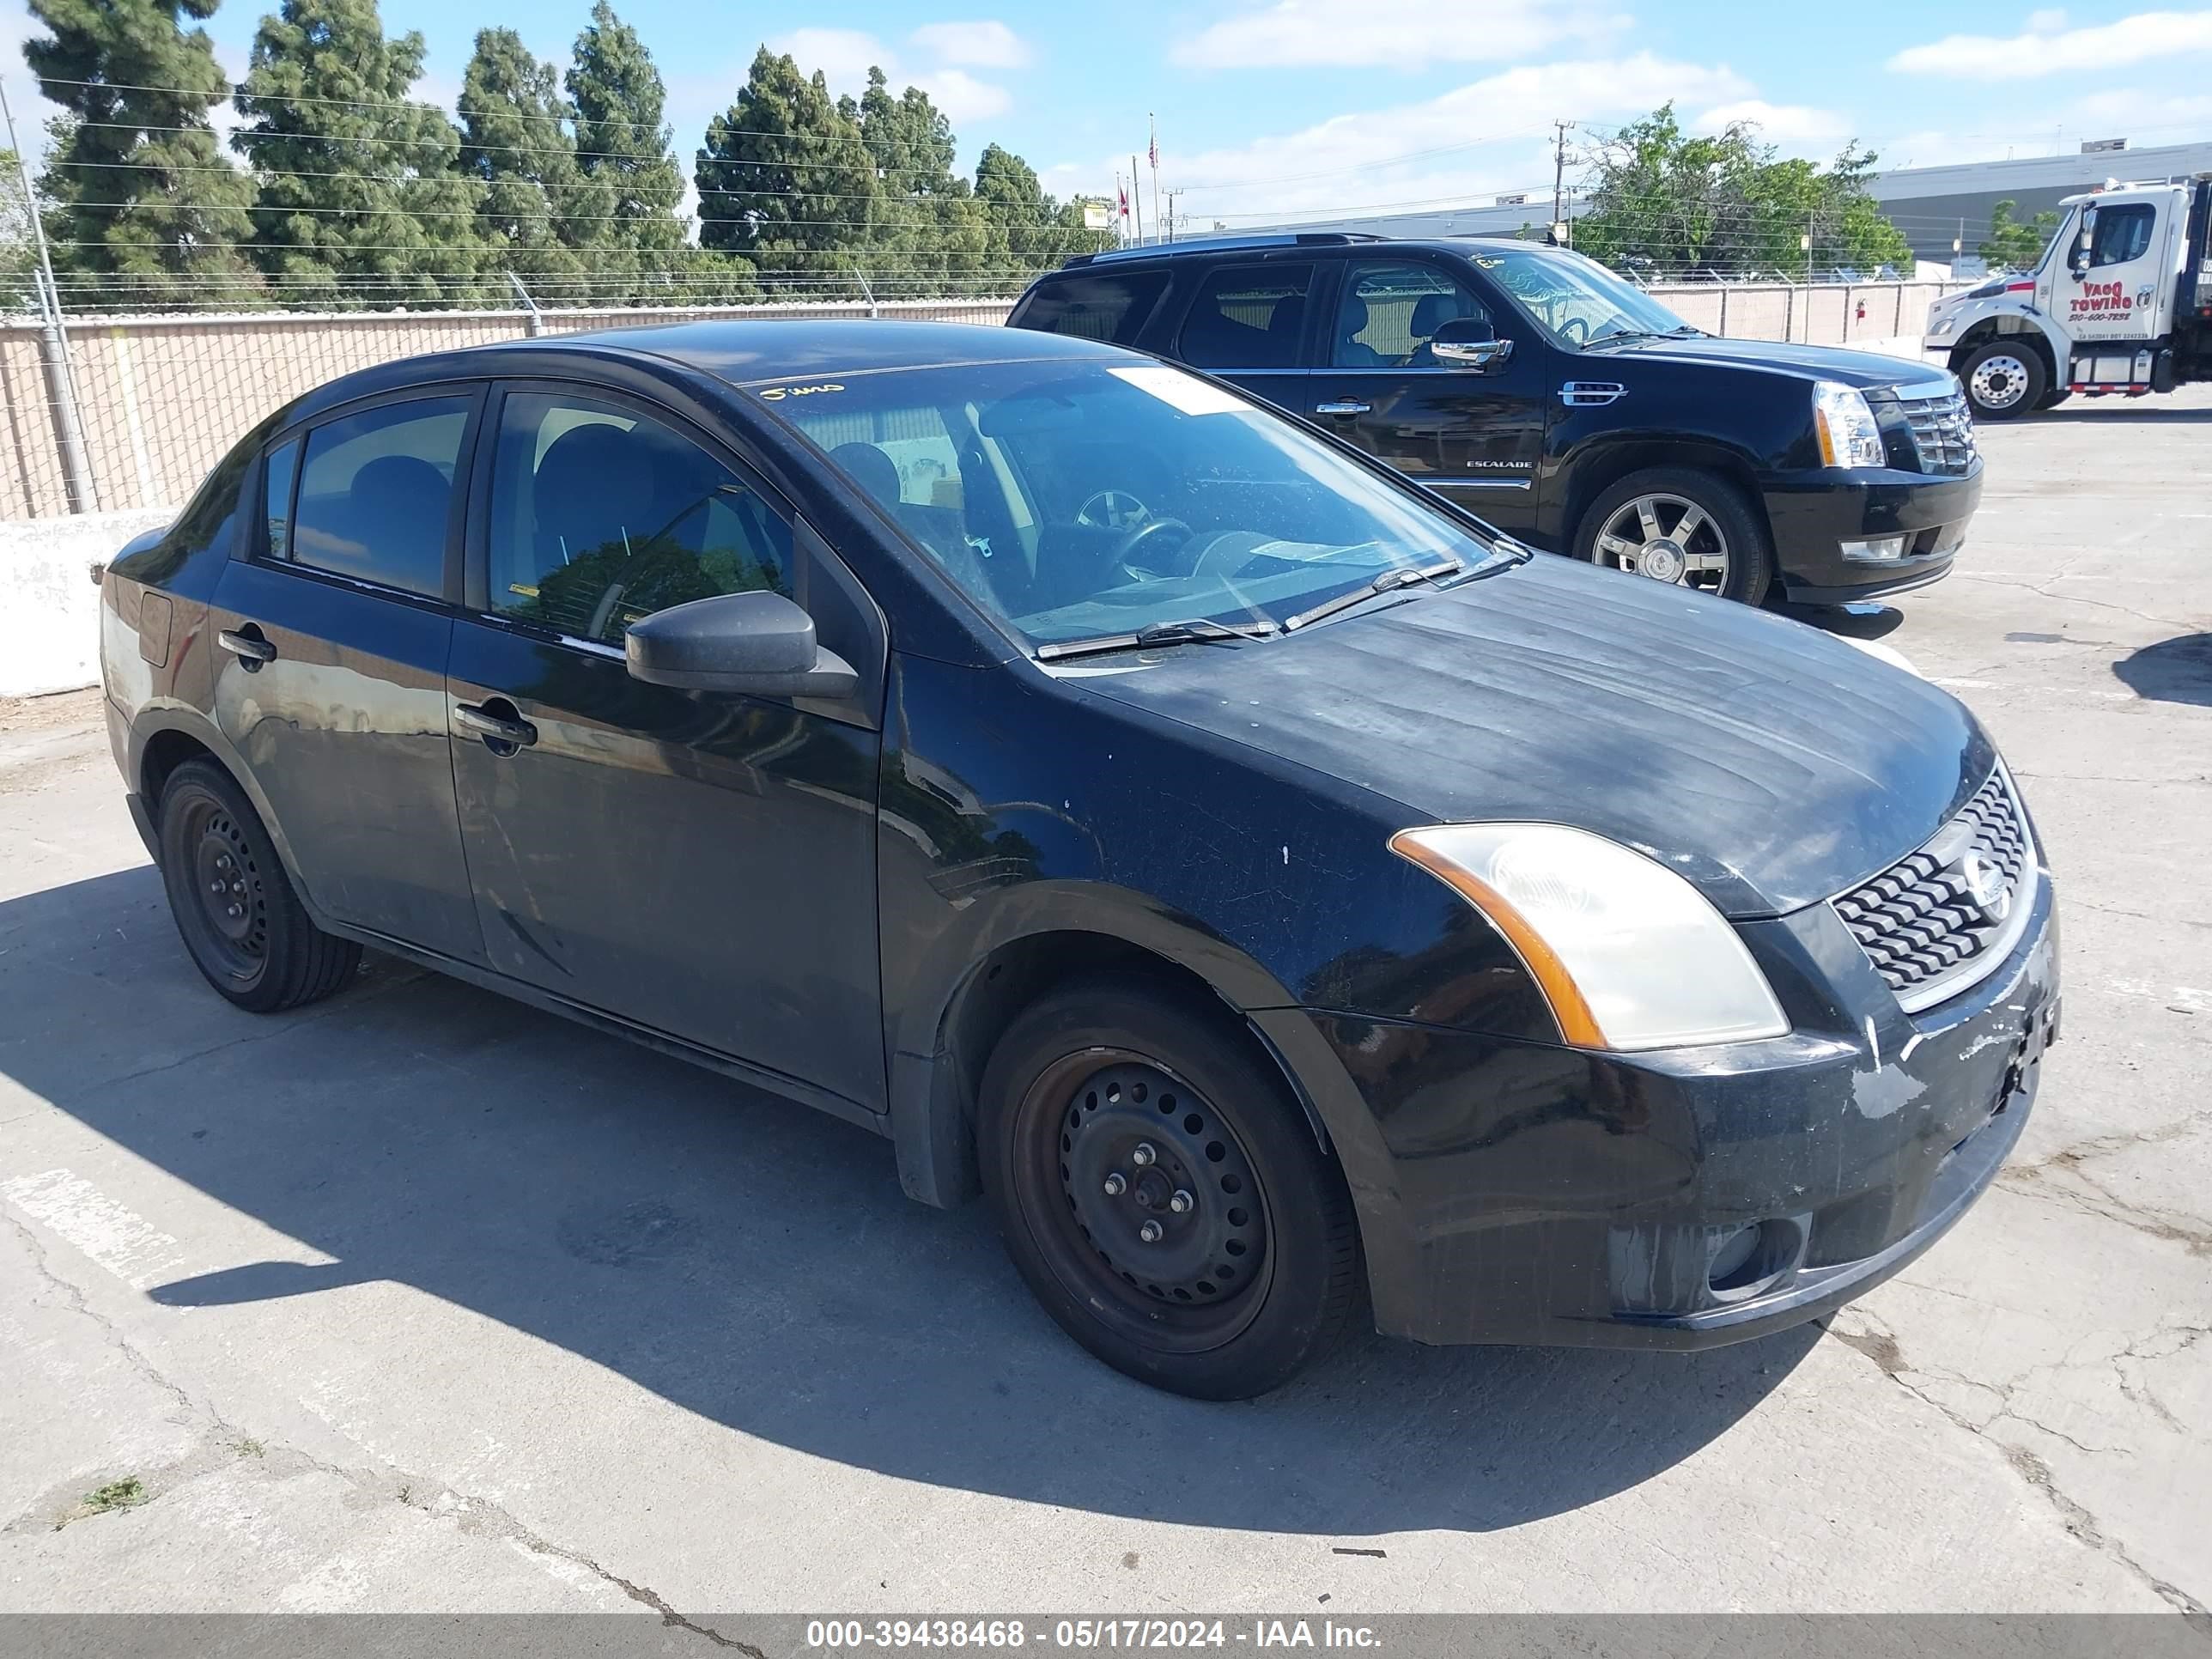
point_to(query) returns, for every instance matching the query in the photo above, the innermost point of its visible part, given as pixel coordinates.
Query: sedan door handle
(250, 647)
(496, 729)
(1343, 406)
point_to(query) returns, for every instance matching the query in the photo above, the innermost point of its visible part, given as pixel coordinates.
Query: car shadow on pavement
(754, 1263)
(2178, 669)
(2147, 414)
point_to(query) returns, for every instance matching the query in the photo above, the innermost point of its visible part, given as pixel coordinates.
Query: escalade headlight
(1844, 420)
(1629, 954)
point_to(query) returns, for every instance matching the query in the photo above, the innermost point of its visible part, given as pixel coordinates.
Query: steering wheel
(1574, 330)
(1112, 509)
(1135, 537)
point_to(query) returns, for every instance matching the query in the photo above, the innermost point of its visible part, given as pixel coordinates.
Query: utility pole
(1559, 179)
(1171, 213)
(1808, 275)
(53, 343)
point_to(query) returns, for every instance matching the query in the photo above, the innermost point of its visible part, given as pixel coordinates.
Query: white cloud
(1489, 136)
(1406, 34)
(2048, 48)
(984, 43)
(1789, 125)
(962, 97)
(846, 56)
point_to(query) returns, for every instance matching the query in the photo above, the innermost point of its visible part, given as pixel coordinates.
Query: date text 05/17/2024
(857, 1635)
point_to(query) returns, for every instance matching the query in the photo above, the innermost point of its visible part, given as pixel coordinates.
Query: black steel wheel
(243, 927)
(1165, 1200)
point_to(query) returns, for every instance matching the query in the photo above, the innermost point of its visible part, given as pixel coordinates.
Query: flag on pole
(1154, 152)
(1121, 190)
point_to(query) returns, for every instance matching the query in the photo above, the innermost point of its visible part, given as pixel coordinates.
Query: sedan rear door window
(375, 493)
(601, 516)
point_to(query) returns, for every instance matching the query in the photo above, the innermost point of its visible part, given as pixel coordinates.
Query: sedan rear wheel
(1164, 1200)
(242, 924)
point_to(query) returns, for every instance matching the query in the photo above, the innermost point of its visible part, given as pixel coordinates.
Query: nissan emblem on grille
(1928, 923)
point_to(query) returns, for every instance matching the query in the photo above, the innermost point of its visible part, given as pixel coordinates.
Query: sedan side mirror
(1469, 342)
(758, 643)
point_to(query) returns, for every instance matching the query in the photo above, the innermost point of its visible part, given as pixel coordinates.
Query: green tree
(361, 197)
(621, 141)
(539, 215)
(1029, 231)
(140, 189)
(2012, 244)
(19, 256)
(785, 179)
(928, 232)
(1727, 203)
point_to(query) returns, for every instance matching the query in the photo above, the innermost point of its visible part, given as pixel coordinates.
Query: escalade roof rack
(1300, 239)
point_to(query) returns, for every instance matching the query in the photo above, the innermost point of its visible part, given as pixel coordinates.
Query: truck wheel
(2004, 381)
(1164, 1199)
(243, 925)
(1676, 523)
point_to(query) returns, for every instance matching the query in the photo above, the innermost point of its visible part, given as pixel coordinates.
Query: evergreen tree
(1029, 231)
(929, 233)
(361, 198)
(623, 143)
(785, 179)
(141, 190)
(540, 213)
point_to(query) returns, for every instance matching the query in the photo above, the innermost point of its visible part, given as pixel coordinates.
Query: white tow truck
(2121, 305)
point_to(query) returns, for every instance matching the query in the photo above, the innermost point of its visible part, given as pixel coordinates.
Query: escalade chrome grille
(1942, 432)
(1935, 921)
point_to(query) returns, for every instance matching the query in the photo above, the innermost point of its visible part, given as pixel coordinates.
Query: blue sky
(1274, 107)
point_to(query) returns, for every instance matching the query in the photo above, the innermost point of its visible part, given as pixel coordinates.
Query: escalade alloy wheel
(1169, 1206)
(1669, 539)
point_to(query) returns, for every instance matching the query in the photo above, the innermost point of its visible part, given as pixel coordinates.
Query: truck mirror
(2080, 261)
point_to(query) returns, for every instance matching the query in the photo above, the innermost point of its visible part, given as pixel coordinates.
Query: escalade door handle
(248, 646)
(1343, 406)
(503, 734)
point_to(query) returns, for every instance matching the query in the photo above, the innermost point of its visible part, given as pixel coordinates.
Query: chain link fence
(157, 400)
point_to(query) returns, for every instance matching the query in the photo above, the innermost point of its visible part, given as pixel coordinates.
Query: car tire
(2005, 379)
(1654, 504)
(1103, 1108)
(253, 938)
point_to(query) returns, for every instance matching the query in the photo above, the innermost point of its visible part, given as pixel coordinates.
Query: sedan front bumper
(1543, 1194)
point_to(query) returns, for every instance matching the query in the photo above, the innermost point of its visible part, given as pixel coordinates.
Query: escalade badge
(1983, 879)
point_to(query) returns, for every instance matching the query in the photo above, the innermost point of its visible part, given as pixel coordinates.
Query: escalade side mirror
(1469, 342)
(758, 643)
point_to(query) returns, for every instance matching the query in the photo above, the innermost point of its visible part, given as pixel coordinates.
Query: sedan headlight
(1629, 954)
(1844, 420)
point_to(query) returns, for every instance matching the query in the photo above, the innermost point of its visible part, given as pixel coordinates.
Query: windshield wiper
(1195, 630)
(1388, 581)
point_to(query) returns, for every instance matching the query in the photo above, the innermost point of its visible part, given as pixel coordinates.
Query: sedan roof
(747, 353)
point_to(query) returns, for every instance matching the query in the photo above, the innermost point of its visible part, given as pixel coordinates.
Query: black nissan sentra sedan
(1267, 885)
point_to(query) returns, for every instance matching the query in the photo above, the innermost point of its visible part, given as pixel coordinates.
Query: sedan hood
(1867, 370)
(1771, 764)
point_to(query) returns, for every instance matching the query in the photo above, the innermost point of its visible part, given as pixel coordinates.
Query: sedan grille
(1942, 432)
(1937, 921)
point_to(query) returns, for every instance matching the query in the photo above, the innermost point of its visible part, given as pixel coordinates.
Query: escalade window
(1111, 305)
(1574, 299)
(1390, 311)
(1247, 317)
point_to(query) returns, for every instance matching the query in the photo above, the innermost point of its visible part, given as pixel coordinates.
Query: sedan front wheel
(1165, 1200)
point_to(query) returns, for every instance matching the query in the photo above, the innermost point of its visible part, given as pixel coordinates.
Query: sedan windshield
(1079, 498)
(1576, 298)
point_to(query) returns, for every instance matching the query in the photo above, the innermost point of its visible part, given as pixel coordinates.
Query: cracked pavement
(420, 1300)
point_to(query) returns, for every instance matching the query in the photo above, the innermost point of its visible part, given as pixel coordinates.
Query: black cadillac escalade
(1561, 403)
